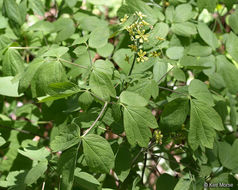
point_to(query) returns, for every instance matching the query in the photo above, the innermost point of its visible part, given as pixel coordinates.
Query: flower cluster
(138, 35)
(158, 136)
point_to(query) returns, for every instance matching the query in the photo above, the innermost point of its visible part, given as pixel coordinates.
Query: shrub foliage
(120, 94)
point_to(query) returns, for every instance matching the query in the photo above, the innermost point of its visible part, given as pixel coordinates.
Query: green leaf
(59, 90)
(40, 75)
(65, 28)
(229, 3)
(14, 178)
(35, 153)
(229, 73)
(89, 23)
(123, 162)
(66, 167)
(71, 3)
(82, 49)
(85, 100)
(137, 121)
(233, 21)
(217, 81)
(13, 11)
(106, 50)
(166, 181)
(99, 2)
(67, 138)
(184, 29)
(184, 183)
(12, 63)
(98, 153)
(228, 154)
(3, 22)
(207, 35)
(56, 51)
(183, 12)
(209, 5)
(160, 30)
(104, 66)
(43, 26)
(224, 177)
(175, 52)
(28, 75)
(37, 6)
(101, 84)
(203, 122)
(141, 6)
(120, 58)
(195, 49)
(2, 141)
(197, 62)
(159, 70)
(36, 172)
(145, 88)
(86, 180)
(232, 46)
(132, 99)
(200, 91)
(99, 37)
(233, 116)
(179, 74)
(175, 113)
(8, 87)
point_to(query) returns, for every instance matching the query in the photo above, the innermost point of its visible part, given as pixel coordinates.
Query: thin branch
(174, 161)
(133, 161)
(25, 132)
(164, 88)
(99, 98)
(73, 63)
(144, 166)
(89, 54)
(43, 186)
(165, 74)
(94, 123)
(24, 47)
(133, 64)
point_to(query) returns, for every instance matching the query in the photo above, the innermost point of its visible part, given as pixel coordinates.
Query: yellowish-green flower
(158, 136)
(142, 36)
(124, 19)
(142, 56)
(143, 23)
(155, 54)
(140, 15)
(159, 38)
(127, 58)
(130, 30)
(133, 47)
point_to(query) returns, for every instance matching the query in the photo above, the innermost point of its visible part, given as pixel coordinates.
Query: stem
(143, 171)
(133, 161)
(73, 63)
(99, 98)
(133, 64)
(89, 54)
(173, 91)
(26, 132)
(165, 74)
(24, 47)
(43, 186)
(94, 123)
